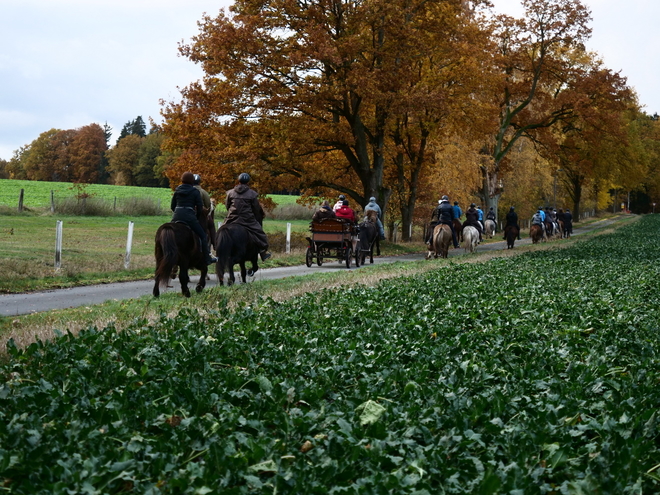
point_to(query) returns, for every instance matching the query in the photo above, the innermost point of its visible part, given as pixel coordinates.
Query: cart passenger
(346, 212)
(324, 212)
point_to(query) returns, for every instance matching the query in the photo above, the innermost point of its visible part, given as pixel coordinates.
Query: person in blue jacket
(458, 213)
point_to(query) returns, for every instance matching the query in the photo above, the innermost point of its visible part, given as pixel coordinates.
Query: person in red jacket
(346, 212)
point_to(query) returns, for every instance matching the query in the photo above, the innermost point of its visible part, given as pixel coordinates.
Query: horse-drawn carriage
(333, 238)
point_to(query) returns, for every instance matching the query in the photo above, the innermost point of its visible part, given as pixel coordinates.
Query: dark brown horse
(369, 237)
(177, 245)
(458, 228)
(234, 246)
(510, 234)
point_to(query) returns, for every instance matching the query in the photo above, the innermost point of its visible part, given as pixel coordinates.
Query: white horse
(470, 238)
(489, 228)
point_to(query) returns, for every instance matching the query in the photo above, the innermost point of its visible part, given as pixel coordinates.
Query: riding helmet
(244, 178)
(445, 198)
(472, 205)
(198, 179)
(372, 199)
(342, 197)
(188, 178)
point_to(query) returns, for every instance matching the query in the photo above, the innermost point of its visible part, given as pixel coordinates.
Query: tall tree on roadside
(538, 63)
(319, 95)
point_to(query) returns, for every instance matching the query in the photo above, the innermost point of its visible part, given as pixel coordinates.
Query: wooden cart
(333, 238)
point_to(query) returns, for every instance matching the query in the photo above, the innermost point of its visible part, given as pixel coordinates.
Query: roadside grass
(41, 326)
(94, 248)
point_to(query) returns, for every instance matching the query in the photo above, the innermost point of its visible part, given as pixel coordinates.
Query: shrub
(103, 208)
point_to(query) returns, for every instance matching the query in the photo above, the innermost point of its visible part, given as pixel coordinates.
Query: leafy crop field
(532, 374)
(37, 193)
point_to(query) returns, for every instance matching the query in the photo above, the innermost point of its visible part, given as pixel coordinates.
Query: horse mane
(371, 216)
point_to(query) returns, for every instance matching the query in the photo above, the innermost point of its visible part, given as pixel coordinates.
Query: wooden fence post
(20, 200)
(52, 201)
(58, 245)
(129, 242)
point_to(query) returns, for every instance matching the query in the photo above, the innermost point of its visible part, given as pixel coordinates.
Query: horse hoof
(199, 289)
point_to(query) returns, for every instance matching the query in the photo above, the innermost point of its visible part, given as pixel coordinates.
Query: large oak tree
(326, 95)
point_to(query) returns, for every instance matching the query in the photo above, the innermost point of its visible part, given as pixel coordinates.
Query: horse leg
(243, 272)
(184, 279)
(202, 279)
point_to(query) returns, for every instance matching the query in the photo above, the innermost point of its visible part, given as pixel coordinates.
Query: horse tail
(223, 249)
(167, 254)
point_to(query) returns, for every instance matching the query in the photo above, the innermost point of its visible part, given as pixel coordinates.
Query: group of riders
(447, 214)
(192, 206)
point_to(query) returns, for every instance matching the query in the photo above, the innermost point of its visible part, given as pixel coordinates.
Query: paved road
(35, 302)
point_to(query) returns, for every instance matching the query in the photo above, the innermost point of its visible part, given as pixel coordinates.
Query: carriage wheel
(309, 257)
(349, 255)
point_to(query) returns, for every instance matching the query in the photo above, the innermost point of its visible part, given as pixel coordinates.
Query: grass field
(535, 373)
(93, 249)
(37, 193)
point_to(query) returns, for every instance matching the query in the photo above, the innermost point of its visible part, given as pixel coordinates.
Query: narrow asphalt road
(36, 302)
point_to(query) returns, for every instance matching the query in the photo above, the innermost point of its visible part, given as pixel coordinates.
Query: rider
(346, 212)
(491, 216)
(472, 219)
(339, 203)
(568, 219)
(537, 219)
(243, 209)
(324, 212)
(372, 205)
(481, 217)
(512, 220)
(205, 217)
(186, 202)
(458, 213)
(446, 216)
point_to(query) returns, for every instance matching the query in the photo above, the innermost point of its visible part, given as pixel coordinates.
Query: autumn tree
(539, 59)
(322, 96)
(85, 153)
(123, 159)
(135, 127)
(148, 172)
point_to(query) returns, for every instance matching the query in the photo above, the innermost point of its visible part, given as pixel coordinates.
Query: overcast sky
(67, 63)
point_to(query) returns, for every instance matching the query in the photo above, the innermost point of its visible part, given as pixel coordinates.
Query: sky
(68, 63)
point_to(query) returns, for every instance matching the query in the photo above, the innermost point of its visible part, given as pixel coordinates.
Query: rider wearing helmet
(373, 206)
(472, 219)
(458, 213)
(205, 217)
(512, 219)
(243, 209)
(339, 203)
(186, 203)
(444, 214)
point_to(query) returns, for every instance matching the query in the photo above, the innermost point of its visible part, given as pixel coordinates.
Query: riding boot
(264, 255)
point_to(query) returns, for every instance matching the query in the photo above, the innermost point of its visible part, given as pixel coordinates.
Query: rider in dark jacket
(186, 202)
(446, 215)
(568, 221)
(472, 219)
(512, 219)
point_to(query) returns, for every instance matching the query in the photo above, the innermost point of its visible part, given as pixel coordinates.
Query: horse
(458, 228)
(471, 238)
(369, 237)
(536, 233)
(510, 234)
(177, 245)
(489, 228)
(234, 246)
(440, 242)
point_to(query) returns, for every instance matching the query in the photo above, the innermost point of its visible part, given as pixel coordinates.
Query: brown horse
(234, 246)
(177, 245)
(510, 234)
(369, 237)
(458, 228)
(536, 233)
(440, 242)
